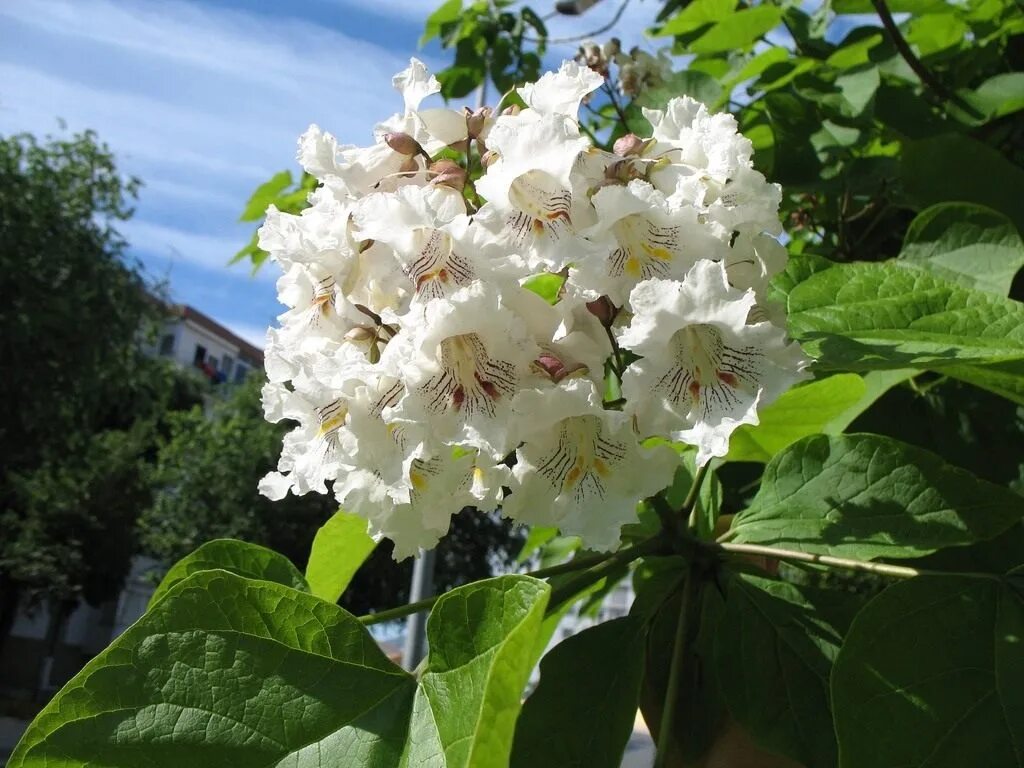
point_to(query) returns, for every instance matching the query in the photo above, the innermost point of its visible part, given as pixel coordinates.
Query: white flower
(644, 236)
(461, 367)
(560, 93)
(703, 371)
(580, 467)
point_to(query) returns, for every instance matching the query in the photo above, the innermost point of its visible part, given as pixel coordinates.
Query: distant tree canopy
(205, 483)
(83, 403)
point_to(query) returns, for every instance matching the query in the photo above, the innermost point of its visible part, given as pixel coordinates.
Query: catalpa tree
(734, 320)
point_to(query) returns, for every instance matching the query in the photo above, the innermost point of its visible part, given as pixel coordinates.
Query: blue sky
(205, 100)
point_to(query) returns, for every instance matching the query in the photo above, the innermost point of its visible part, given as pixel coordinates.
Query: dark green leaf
(340, 547)
(867, 496)
(932, 674)
(239, 557)
(583, 709)
(954, 167)
(774, 650)
(697, 85)
(228, 671)
(969, 244)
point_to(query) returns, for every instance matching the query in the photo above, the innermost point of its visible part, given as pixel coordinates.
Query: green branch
(596, 567)
(675, 672)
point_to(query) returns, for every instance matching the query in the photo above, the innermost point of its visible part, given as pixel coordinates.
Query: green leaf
(932, 674)
(738, 31)
(864, 316)
(547, 285)
(867, 496)
(264, 195)
(802, 411)
(697, 14)
(968, 244)
(447, 13)
(1005, 379)
(954, 167)
(698, 85)
(933, 33)
(774, 650)
(583, 710)
(998, 96)
(482, 650)
(239, 557)
(228, 671)
(537, 537)
(895, 6)
(339, 548)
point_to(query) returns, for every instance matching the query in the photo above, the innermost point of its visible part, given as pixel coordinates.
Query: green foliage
(931, 674)
(866, 496)
(592, 677)
(258, 647)
(85, 406)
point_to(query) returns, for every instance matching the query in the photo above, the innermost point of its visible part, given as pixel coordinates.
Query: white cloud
(209, 251)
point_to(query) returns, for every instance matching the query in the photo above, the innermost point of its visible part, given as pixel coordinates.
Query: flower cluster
(534, 341)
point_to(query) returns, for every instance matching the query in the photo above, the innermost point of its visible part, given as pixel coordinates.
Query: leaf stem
(675, 673)
(689, 508)
(598, 564)
(881, 569)
(927, 78)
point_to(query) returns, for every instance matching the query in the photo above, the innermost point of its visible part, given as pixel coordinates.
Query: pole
(416, 625)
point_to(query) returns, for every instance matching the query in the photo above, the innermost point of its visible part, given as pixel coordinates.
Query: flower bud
(489, 158)
(402, 143)
(361, 335)
(477, 120)
(448, 173)
(612, 48)
(365, 245)
(603, 310)
(409, 165)
(627, 145)
(512, 110)
(558, 369)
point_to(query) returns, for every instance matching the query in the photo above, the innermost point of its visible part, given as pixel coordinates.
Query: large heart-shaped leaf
(932, 674)
(882, 315)
(774, 650)
(867, 496)
(228, 671)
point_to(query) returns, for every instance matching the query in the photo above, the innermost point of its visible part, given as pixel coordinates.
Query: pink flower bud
(627, 145)
(402, 143)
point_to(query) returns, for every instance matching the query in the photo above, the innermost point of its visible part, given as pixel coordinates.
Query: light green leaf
(955, 167)
(774, 650)
(339, 548)
(538, 536)
(968, 244)
(932, 674)
(239, 557)
(867, 496)
(738, 31)
(802, 411)
(864, 316)
(482, 650)
(264, 195)
(547, 285)
(933, 33)
(446, 13)
(998, 96)
(697, 14)
(583, 709)
(228, 671)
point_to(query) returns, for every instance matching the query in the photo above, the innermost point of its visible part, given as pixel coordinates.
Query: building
(192, 339)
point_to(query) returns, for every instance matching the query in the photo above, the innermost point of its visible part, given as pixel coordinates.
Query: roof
(247, 351)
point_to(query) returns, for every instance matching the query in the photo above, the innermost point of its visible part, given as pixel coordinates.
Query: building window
(213, 362)
(167, 344)
(200, 355)
(240, 373)
(226, 364)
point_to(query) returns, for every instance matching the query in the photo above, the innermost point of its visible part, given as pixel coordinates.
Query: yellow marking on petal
(632, 267)
(601, 468)
(331, 424)
(478, 475)
(657, 253)
(418, 479)
(573, 475)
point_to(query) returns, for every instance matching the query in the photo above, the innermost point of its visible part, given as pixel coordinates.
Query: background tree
(206, 478)
(84, 403)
